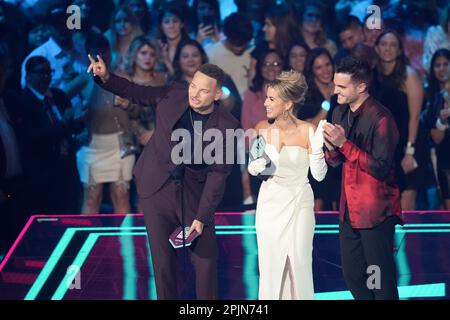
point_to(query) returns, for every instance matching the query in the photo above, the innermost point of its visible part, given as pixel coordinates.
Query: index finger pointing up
(100, 59)
(91, 59)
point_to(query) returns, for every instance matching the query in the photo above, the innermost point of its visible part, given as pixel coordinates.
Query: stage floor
(108, 257)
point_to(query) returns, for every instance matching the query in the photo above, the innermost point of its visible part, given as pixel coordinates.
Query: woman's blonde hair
(291, 86)
(135, 46)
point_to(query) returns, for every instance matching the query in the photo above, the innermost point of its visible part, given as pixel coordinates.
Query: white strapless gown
(285, 227)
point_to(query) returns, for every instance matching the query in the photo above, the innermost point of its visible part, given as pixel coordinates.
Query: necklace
(348, 117)
(192, 123)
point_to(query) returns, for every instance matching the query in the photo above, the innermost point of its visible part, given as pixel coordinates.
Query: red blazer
(369, 184)
(154, 166)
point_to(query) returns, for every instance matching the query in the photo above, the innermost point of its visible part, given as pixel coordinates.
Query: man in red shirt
(364, 137)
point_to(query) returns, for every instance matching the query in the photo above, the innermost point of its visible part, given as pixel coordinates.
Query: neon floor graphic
(108, 257)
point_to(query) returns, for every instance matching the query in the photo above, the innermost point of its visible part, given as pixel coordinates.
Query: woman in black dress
(398, 87)
(436, 118)
(319, 104)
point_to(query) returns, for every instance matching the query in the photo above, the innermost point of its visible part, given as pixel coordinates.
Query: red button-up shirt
(369, 186)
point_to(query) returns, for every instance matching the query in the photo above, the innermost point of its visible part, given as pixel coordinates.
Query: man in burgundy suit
(174, 194)
(363, 137)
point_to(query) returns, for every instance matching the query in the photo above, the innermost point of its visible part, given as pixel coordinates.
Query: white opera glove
(317, 163)
(257, 166)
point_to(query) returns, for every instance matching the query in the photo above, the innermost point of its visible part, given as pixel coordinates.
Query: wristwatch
(410, 148)
(441, 126)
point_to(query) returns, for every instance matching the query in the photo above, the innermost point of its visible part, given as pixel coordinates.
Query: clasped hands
(332, 135)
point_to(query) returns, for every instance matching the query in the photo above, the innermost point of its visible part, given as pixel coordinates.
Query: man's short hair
(213, 71)
(359, 70)
(96, 42)
(238, 29)
(34, 62)
(349, 23)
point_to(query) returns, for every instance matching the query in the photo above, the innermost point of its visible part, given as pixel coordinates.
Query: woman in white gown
(284, 214)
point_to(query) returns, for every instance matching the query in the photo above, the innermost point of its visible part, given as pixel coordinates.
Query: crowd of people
(65, 142)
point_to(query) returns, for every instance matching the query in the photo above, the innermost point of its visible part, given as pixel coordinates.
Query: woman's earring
(285, 115)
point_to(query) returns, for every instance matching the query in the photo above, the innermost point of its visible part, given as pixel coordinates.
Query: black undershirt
(187, 121)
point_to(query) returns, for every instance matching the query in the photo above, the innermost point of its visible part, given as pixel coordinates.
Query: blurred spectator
(232, 54)
(80, 85)
(172, 31)
(142, 58)
(158, 6)
(13, 36)
(256, 12)
(59, 50)
(416, 16)
(87, 27)
(49, 124)
(350, 34)
(436, 118)
(312, 28)
(363, 52)
(437, 75)
(319, 72)
(268, 67)
(319, 104)
(280, 33)
(397, 86)
(297, 56)
(38, 36)
(370, 34)
(107, 155)
(124, 28)
(13, 187)
(106, 7)
(436, 37)
(142, 13)
(34, 8)
(206, 22)
(356, 8)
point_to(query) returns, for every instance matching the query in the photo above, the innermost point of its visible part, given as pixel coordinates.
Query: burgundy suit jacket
(369, 185)
(155, 165)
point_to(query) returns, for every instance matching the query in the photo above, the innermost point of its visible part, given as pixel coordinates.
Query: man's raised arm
(145, 95)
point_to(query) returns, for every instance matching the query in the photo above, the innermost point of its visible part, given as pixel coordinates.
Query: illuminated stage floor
(112, 255)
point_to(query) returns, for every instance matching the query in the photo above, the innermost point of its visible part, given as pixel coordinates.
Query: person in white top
(233, 53)
(284, 212)
(66, 63)
(437, 37)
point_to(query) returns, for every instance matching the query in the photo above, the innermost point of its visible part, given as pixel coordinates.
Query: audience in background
(268, 67)
(312, 28)
(232, 54)
(436, 37)
(397, 86)
(150, 45)
(124, 28)
(297, 56)
(172, 32)
(206, 22)
(106, 156)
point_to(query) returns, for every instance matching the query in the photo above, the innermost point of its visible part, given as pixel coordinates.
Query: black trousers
(367, 254)
(162, 214)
